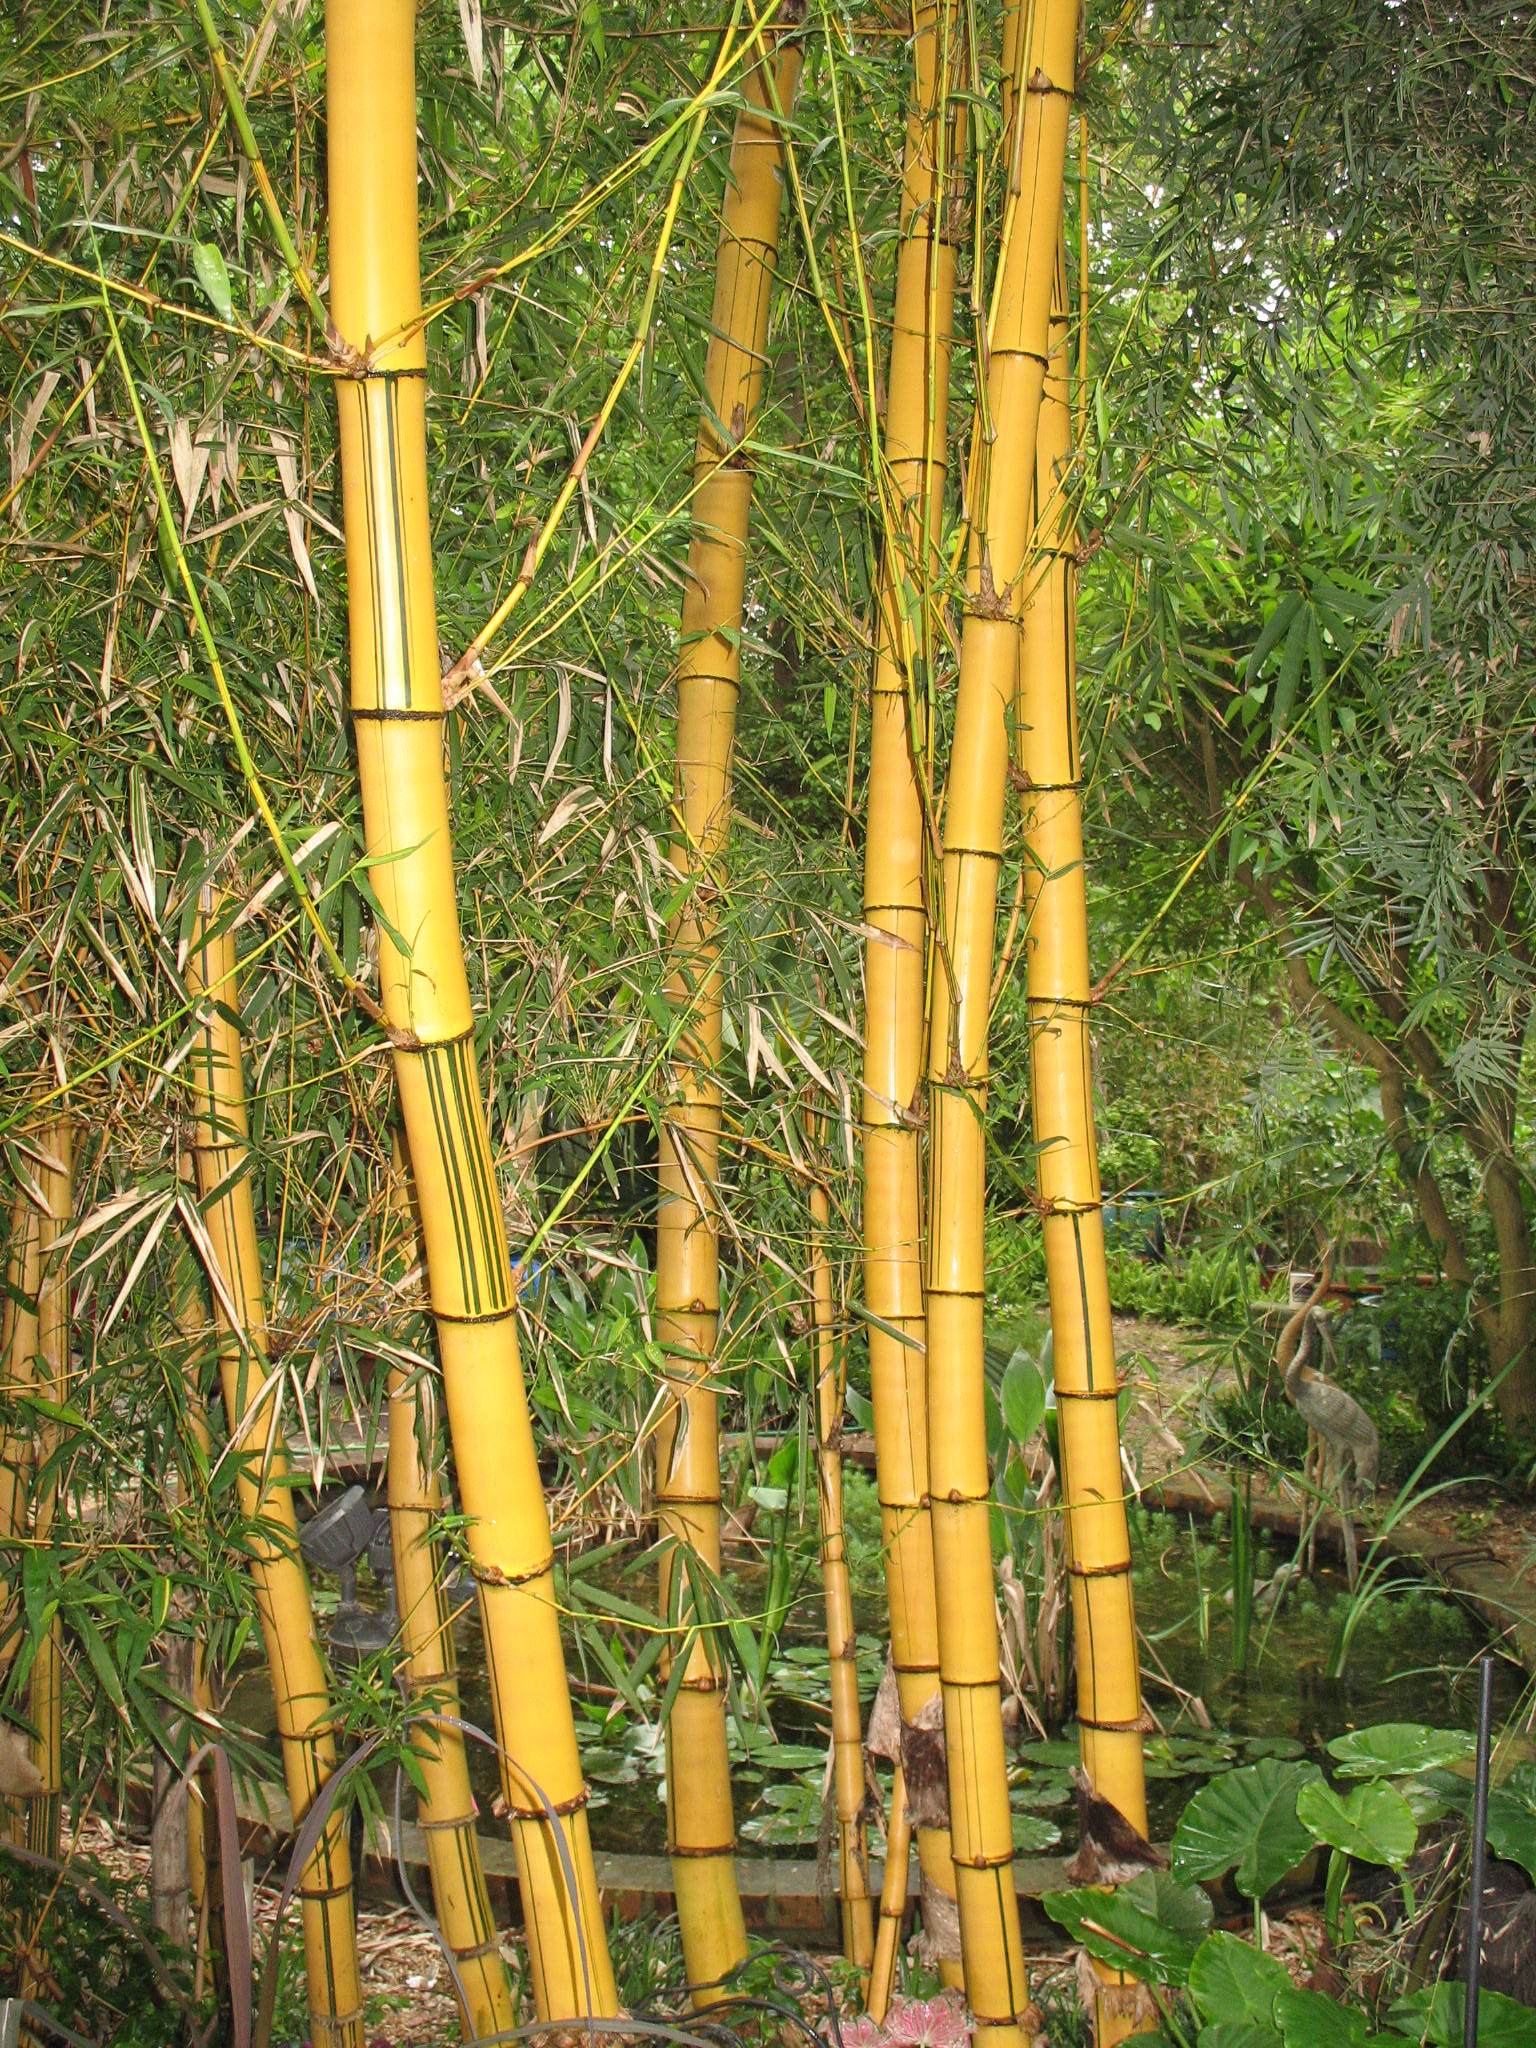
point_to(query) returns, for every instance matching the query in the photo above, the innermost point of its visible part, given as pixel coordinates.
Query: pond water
(1412, 1658)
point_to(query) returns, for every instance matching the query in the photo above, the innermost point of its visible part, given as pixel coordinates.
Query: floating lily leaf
(1033, 1835)
(1375, 1822)
(1042, 1791)
(1285, 1747)
(1151, 1927)
(1245, 1821)
(1396, 1748)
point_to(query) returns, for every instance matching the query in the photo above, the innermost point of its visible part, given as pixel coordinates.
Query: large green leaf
(1396, 1748)
(1309, 2020)
(1512, 1819)
(1152, 1927)
(1234, 1984)
(1437, 2015)
(1022, 1397)
(1245, 1821)
(1375, 1822)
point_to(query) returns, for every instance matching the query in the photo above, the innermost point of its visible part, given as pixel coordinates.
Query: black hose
(1474, 1959)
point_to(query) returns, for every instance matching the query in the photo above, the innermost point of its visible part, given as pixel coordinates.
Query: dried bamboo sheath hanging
(1039, 59)
(397, 707)
(221, 1147)
(895, 962)
(700, 1824)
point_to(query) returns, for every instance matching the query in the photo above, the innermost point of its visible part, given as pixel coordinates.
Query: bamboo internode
(1039, 59)
(221, 1148)
(398, 714)
(1057, 985)
(842, 1640)
(445, 1805)
(55, 1180)
(895, 962)
(700, 1823)
(34, 1359)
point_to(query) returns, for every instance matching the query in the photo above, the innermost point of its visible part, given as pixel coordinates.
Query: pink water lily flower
(940, 2022)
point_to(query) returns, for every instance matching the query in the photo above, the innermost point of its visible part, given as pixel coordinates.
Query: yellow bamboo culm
(397, 709)
(893, 1902)
(221, 1150)
(445, 1805)
(194, 1457)
(895, 963)
(1057, 987)
(18, 1371)
(34, 1356)
(700, 1823)
(56, 1181)
(1039, 58)
(842, 1640)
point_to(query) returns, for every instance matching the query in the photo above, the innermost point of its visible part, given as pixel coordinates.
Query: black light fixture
(345, 1530)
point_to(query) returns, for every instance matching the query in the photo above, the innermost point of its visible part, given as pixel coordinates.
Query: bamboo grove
(488, 834)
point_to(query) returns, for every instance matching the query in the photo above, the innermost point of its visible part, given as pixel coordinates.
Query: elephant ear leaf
(1236, 1985)
(1512, 1819)
(1245, 1821)
(1151, 1927)
(1309, 2020)
(1397, 1749)
(1437, 2016)
(1374, 1823)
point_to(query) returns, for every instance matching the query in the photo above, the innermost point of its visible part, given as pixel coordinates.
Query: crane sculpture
(1340, 1435)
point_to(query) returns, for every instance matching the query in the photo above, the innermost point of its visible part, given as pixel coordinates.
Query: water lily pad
(1033, 1835)
(1061, 1755)
(1284, 1747)
(1042, 1791)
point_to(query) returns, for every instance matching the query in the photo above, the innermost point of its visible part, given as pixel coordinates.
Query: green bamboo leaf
(213, 276)
(1276, 626)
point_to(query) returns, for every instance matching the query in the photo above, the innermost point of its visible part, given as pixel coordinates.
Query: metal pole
(1474, 1957)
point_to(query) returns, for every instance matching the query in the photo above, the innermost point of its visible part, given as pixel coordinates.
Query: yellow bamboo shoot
(398, 715)
(1039, 59)
(700, 1823)
(221, 1149)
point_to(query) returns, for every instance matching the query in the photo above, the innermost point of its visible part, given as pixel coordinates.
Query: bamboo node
(347, 358)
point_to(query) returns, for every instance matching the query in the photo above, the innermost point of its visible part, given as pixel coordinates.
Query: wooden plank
(779, 1894)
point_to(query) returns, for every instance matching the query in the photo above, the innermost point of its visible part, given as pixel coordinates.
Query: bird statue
(19, 1776)
(1340, 1433)
(1109, 1849)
